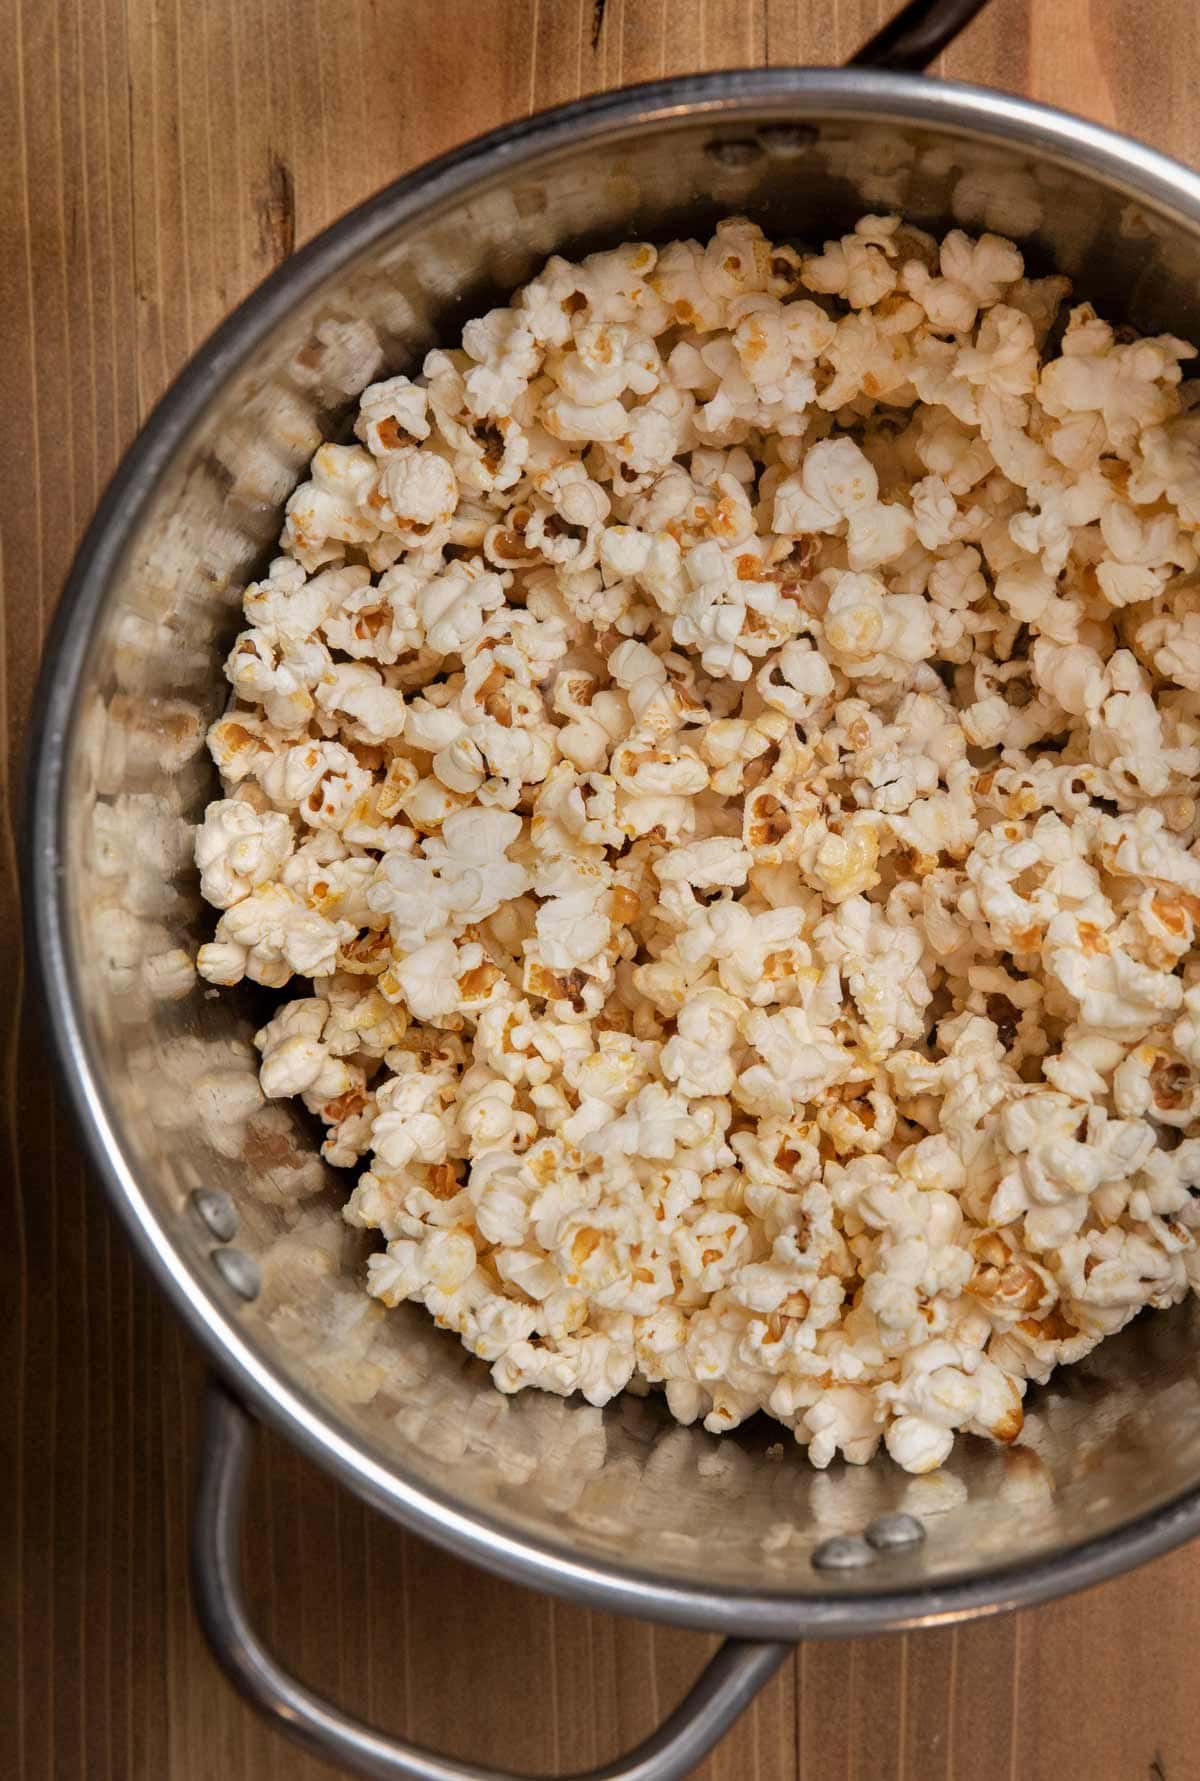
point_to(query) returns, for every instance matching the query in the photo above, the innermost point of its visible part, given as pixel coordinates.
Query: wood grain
(159, 157)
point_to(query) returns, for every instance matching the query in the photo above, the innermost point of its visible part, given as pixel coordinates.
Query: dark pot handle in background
(726, 1685)
(919, 32)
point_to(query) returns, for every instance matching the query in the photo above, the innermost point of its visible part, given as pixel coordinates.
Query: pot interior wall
(1107, 1441)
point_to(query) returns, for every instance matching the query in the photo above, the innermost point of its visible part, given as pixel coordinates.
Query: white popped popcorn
(239, 847)
(722, 746)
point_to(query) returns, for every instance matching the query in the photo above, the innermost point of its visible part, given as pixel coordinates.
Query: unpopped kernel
(721, 751)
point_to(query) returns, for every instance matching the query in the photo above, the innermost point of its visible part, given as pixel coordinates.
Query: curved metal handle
(729, 1682)
(919, 32)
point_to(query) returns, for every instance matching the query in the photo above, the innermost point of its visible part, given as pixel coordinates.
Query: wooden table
(157, 158)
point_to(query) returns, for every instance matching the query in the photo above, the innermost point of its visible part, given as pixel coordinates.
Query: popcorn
(854, 268)
(727, 763)
(697, 1059)
(331, 508)
(1131, 387)
(419, 492)
(459, 878)
(380, 621)
(294, 1060)
(269, 934)
(800, 1059)
(238, 848)
(507, 355)
(572, 930)
(881, 965)
(288, 608)
(973, 276)
(392, 416)
(452, 607)
(363, 706)
(279, 675)
(869, 632)
(805, 682)
(720, 860)
(1116, 994)
(322, 782)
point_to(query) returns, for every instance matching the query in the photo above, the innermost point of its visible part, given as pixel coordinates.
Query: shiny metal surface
(619, 1508)
(728, 1682)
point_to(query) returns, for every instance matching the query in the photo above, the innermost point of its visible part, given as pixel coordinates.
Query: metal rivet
(889, 1532)
(239, 1271)
(843, 1552)
(787, 140)
(215, 1210)
(733, 155)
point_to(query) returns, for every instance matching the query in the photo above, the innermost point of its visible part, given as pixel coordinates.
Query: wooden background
(157, 158)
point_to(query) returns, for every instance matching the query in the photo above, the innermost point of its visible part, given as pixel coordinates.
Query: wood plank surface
(157, 158)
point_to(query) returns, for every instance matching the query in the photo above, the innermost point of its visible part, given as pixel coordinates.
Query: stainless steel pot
(222, 1193)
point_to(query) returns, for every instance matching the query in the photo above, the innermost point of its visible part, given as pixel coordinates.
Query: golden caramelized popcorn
(721, 748)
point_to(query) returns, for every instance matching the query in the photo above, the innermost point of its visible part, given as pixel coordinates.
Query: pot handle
(728, 1683)
(919, 32)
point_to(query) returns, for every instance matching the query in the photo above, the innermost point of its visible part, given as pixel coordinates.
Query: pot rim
(729, 96)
